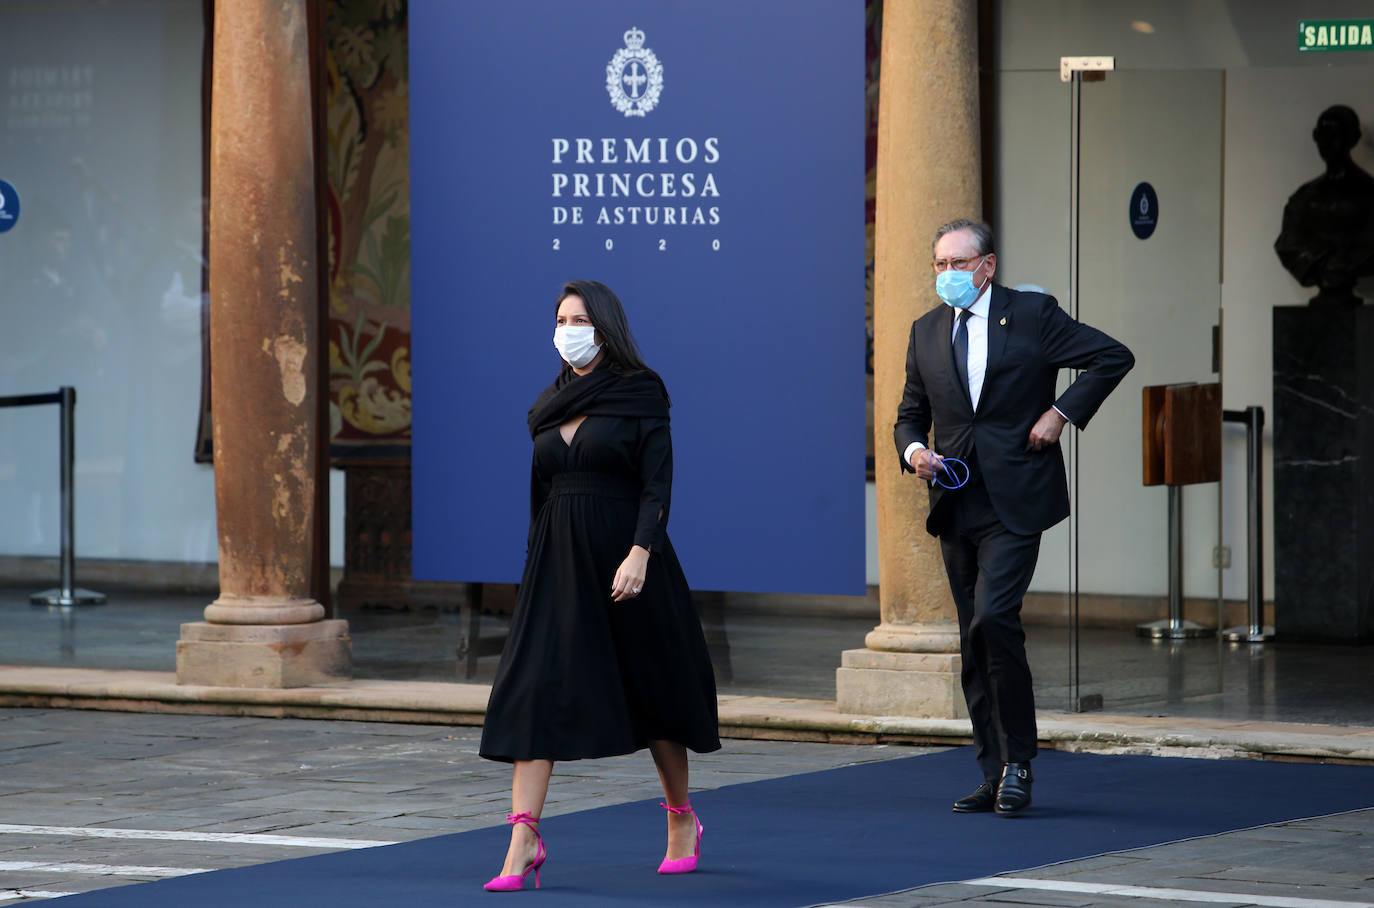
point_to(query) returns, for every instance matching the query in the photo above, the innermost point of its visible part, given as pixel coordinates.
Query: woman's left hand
(629, 577)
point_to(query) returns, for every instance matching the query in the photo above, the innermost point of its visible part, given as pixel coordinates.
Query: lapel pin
(1003, 321)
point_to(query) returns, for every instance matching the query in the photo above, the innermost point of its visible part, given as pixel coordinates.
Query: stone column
(929, 172)
(265, 629)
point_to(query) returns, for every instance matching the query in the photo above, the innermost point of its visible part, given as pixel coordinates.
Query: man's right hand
(926, 462)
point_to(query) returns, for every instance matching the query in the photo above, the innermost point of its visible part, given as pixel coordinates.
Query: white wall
(102, 277)
(1272, 95)
(100, 133)
(1270, 113)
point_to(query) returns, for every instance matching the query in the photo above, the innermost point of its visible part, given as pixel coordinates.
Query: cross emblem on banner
(634, 78)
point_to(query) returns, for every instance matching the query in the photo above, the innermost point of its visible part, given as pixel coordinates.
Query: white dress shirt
(977, 352)
(977, 343)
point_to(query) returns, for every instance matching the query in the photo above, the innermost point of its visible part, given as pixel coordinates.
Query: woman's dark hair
(608, 317)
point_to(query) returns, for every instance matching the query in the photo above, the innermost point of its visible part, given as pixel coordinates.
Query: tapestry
(368, 180)
(368, 149)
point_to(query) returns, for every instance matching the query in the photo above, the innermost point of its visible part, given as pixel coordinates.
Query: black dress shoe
(980, 801)
(1014, 792)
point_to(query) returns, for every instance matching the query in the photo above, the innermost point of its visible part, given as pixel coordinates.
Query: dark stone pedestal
(1324, 472)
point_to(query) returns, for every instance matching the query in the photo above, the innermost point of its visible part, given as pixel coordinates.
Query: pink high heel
(683, 865)
(516, 881)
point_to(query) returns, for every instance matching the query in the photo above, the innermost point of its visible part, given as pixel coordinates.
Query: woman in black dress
(606, 654)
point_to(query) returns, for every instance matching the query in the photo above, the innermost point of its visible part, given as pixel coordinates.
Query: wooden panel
(1192, 434)
(1181, 434)
(1151, 434)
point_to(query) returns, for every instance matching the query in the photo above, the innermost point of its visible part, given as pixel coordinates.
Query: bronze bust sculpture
(1327, 239)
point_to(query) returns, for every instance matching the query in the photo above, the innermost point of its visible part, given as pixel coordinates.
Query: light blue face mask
(956, 287)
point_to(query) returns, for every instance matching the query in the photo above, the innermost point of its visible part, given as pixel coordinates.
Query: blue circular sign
(9, 206)
(1144, 210)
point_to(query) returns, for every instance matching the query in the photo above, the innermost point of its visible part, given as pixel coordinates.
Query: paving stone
(951, 891)
(435, 825)
(347, 831)
(1295, 835)
(276, 822)
(1174, 871)
(1356, 821)
(1134, 902)
(162, 821)
(965, 903)
(1251, 887)
(224, 813)
(1087, 865)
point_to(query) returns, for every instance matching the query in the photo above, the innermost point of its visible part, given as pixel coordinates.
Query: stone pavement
(776, 718)
(93, 799)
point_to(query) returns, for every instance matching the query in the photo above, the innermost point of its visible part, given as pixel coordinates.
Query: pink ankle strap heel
(516, 881)
(683, 865)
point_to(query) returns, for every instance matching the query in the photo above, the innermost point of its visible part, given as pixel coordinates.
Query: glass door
(1144, 578)
(1151, 278)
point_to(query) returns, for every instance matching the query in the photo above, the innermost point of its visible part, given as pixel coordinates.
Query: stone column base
(874, 683)
(920, 637)
(264, 655)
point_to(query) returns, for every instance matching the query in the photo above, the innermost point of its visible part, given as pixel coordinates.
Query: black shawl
(600, 392)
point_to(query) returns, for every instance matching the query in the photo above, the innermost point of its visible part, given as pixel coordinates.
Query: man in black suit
(986, 379)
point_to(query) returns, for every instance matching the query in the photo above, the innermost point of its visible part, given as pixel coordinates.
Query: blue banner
(705, 160)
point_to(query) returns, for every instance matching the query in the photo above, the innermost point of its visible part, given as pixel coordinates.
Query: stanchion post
(1175, 627)
(67, 446)
(68, 594)
(1254, 631)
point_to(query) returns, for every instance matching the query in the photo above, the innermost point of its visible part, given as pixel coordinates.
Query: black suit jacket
(1029, 340)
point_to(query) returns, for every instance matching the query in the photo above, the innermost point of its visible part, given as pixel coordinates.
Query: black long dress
(581, 675)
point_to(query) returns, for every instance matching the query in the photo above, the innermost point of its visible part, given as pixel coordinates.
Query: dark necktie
(961, 347)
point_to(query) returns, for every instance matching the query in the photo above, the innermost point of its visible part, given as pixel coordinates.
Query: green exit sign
(1335, 34)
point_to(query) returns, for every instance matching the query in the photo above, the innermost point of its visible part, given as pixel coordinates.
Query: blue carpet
(805, 839)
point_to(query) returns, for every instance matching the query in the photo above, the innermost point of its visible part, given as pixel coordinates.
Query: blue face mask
(956, 287)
